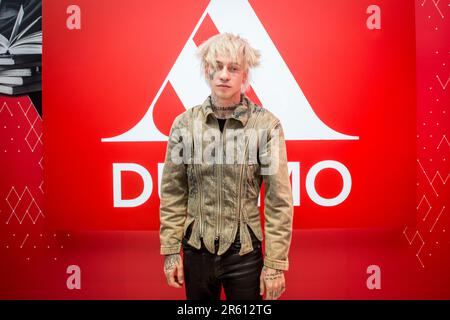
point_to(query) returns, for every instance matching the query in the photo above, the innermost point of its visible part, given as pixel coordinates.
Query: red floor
(325, 264)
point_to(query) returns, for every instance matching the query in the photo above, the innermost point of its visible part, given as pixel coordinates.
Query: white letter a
(374, 20)
(74, 20)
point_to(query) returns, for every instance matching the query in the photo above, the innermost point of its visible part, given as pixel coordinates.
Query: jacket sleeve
(278, 208)
(174, 194)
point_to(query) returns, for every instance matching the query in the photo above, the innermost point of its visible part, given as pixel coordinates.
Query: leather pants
(205, 273)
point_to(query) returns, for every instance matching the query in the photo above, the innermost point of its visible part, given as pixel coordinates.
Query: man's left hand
(272, 283)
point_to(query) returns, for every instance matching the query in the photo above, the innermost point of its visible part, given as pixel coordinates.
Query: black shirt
(221, 124)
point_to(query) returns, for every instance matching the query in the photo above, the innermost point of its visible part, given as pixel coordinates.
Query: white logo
(272, 82)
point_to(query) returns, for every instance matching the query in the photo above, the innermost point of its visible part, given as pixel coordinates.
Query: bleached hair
(231, 46)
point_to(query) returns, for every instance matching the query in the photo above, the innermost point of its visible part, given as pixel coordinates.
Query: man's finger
(277, 295)
(180, 274)
(171, 280)
(270, 294)
(280, 290)
(262, 287)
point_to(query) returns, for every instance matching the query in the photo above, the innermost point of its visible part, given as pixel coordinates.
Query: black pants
(205, 273)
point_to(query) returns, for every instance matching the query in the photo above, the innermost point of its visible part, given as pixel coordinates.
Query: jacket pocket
(188, 223)
(252, 218)
(251, 181)
(255, 227)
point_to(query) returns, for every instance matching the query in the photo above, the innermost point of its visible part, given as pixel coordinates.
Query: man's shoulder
(266, 118)
(184, 118)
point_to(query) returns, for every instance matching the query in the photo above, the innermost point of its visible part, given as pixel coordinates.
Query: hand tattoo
(272, 274)
(274, 281)
(171, 261)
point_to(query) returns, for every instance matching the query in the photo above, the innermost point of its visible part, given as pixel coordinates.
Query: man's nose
(224, 74)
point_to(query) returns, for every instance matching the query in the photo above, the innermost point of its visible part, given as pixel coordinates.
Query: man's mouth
(224, 86)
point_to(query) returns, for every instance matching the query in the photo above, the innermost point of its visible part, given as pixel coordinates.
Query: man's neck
(224, 109)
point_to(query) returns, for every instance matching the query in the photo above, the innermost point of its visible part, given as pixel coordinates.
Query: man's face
(226, 79)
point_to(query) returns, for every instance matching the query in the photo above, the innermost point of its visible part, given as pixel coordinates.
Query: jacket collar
(241, 113)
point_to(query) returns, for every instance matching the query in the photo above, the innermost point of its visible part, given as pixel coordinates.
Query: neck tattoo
(216, 107)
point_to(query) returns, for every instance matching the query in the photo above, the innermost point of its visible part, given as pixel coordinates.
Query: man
(209, 199)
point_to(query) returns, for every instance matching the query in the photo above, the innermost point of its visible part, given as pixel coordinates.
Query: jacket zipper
(240, 189)
(220, 171)
(201, 201)
(242, 171)
(194, 166)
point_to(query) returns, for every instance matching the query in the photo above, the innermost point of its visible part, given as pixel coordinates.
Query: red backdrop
(100, 81)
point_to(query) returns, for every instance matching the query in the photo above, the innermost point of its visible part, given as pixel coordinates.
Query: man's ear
(244, 80)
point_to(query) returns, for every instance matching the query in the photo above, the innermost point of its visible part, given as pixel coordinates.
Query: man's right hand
(173, 269)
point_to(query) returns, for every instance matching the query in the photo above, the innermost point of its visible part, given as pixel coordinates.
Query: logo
(283, 97)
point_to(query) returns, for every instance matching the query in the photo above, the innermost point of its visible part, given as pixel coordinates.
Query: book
(20, 89)
(20, 46)
(8, 59)
(19, 80)
(9, 10)
(21, 70)
(8, 14)
(21, 42)
(16, 73)
(34, 66)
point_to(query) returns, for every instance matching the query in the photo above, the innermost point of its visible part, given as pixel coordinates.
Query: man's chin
(223, 95)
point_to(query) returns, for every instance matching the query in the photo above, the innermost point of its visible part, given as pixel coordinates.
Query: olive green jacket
(221, 195)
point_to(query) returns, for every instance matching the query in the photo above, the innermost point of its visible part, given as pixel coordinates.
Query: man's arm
(173, 206)
(174, 193)
(278, 212)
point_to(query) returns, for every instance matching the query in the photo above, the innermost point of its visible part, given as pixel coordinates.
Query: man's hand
(173, 268)
(272, 282)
